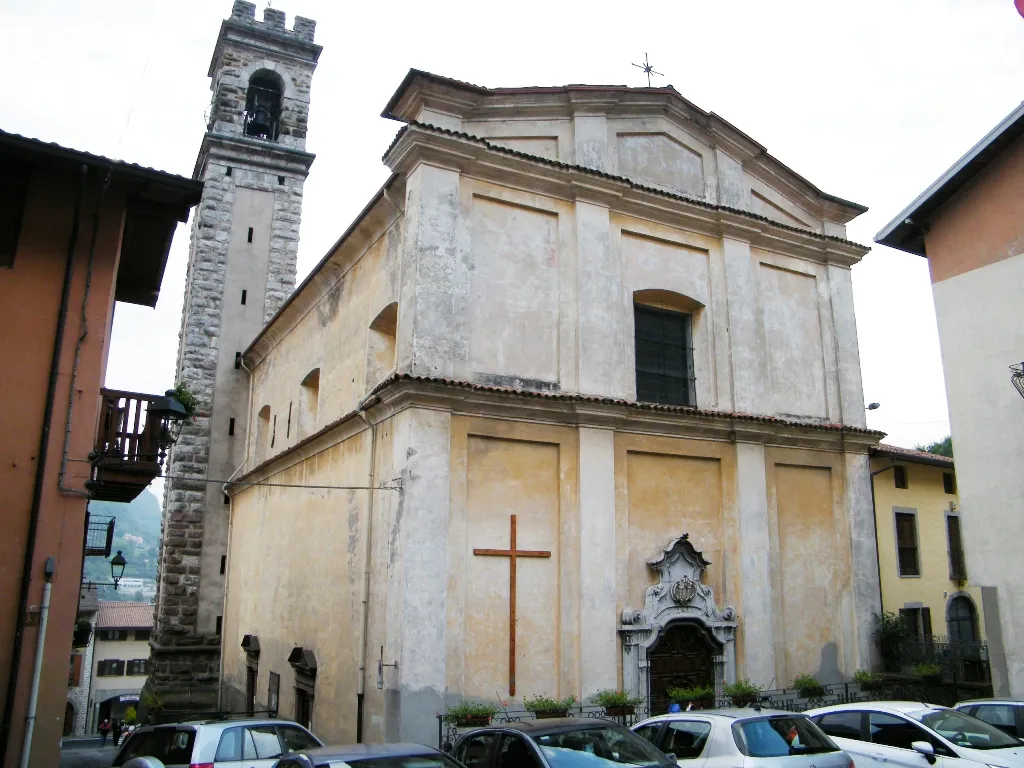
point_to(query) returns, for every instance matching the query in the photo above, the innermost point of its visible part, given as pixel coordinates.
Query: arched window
(263, 106)
(962, 620)
(309, 403)
(381, 345)
(663, 352)
(262, 434)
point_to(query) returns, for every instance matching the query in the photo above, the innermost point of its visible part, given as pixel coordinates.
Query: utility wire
(286, 485)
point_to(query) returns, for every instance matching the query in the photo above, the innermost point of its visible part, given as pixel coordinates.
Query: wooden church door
(683, 658)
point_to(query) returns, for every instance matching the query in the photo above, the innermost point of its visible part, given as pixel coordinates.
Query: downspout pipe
(37, 666)
(874, 511)
(44, 443)
(367, 402)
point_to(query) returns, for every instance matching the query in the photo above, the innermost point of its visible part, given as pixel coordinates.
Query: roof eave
(904, 231)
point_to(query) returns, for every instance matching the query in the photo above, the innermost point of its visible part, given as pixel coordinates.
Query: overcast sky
(870, 100)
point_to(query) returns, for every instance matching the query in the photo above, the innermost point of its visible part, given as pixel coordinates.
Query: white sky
(870, 100)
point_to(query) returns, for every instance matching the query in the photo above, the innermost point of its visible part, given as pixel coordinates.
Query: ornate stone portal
(679, 596)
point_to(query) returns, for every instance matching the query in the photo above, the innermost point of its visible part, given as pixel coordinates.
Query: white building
(120, 659)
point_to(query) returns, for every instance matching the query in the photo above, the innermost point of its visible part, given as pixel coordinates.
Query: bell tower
(241, 268)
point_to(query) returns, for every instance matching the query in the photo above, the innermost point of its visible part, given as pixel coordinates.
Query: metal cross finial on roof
(648, 70)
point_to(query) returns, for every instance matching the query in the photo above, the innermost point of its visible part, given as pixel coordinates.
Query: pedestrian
(104, 732)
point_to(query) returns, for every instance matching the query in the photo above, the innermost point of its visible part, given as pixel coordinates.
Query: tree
(942, 447)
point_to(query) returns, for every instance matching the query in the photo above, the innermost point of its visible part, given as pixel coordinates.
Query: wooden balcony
(127, 453)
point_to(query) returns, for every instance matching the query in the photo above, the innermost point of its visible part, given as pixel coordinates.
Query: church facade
(574, 404)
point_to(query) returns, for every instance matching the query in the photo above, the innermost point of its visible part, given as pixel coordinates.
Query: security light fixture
(874, 406)
(170, 415)
(1017, 377)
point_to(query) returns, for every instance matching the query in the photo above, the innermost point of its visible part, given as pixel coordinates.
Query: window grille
(664, 357)
(906, 544)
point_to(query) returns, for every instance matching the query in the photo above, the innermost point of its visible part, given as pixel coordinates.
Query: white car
(909, 734)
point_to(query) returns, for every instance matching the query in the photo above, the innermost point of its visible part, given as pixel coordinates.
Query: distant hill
(136, 534)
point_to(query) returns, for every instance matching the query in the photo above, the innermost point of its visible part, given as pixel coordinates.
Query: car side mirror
(926, 749)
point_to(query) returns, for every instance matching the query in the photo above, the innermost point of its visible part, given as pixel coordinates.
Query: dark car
(571, 742)
(369, 756)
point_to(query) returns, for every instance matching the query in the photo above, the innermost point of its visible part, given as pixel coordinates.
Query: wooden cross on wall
(512, 554)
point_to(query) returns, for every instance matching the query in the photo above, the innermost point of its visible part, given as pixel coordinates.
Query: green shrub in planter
(867, 680)
(743, 692)
(930, 672)
(808, 686)
(545, 706)
(470, 713)
(700, 696)
(616, 702)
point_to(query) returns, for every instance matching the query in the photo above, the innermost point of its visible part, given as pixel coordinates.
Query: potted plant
(617, 703)
(930, 673)
(470, 714)
(743, 692)
(700, 696)
(809, 687)
(867, 680)
(544, 706)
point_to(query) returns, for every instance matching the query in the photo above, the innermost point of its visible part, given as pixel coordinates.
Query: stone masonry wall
(78, 695)
(185, 657)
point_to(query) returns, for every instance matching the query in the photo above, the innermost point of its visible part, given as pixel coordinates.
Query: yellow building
(592, 326)
(921, 562)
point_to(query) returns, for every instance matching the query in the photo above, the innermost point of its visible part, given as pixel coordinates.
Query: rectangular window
(288, 429)
(250, 234)
(243, 295)
(223, 562)
(273, 692)
(273, 432)
(110, 668)
(957, 565)
(75, 670)
(664, 357)
(238, 360)
(138, 667)
(142, 634)
(280, 181)
(900, 476)
(227, 171)
(918, 621)
(906, 544)
(303, 707)
(113, 634)
(13, 194)
(231, 426)
(220, 623)
(948, 482)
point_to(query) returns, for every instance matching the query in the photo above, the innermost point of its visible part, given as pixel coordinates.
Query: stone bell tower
(241, 268)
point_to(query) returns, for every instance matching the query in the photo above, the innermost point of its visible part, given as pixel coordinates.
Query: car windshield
(596, 747)
(404, 761)
(781, 736)
(172, 746)
(964, 730)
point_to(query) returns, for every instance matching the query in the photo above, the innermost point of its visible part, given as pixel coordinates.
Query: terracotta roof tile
(909, 454)
(124, 615)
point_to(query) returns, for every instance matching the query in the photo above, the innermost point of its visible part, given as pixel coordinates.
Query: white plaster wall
(980, 336)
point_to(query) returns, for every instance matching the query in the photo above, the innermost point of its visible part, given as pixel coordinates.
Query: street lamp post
(117, 564)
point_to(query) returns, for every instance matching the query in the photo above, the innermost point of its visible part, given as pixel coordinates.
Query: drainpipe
(44, 444)
(361, 686)
(81, 342)
(874, 512)
(37, 667)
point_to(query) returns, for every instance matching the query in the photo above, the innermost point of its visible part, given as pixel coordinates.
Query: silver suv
(218, 743)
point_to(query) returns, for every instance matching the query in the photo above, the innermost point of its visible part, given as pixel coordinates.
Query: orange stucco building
(77, 233)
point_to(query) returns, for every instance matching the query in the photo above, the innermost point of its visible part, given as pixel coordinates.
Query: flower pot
(813, 692)
(546, 714)
(742, 699)
(473, 721)
(620, 711)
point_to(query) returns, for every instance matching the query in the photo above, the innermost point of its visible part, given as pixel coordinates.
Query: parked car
(369, 756)
(1005, 714)
(569, 742)
(218, 743)
(909, 734)
(747, 738)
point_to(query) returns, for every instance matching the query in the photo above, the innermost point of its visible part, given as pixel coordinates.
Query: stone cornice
(477, 157)
(472, 102)
(401, 392)
(251, 152)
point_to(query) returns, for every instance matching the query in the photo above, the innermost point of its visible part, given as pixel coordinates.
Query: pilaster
(746, 328)
(867, 595)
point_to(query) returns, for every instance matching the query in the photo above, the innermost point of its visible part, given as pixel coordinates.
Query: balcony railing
(127, 454)
(959, 660)
(99, 535)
